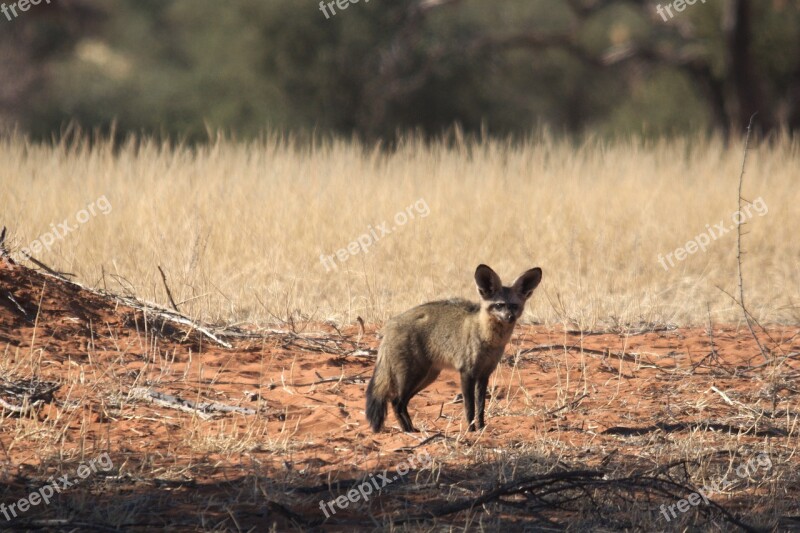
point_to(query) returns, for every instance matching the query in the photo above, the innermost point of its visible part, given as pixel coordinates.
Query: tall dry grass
(239, 228)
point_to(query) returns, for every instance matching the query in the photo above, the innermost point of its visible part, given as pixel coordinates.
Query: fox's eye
(498, 306)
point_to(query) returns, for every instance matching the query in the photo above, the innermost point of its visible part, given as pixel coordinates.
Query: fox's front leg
(481, 385)
(468, 392)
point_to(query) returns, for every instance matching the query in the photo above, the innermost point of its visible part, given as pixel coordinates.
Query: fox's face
(505, 304)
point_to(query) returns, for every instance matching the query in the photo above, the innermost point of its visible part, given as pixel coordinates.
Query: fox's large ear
(488, 281)
(527, 282)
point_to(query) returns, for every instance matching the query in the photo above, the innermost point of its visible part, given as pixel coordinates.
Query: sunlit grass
(239, 228)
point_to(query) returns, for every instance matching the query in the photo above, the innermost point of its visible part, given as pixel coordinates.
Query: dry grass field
(239, 228)
(632, 398)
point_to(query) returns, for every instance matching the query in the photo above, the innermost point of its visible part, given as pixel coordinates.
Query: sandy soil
(670, 409)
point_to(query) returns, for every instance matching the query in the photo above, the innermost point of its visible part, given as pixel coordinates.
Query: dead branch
(3, 250)
(327, 345)
(17, 307)
(630, 357)
(27, 394)
(690, 426)
(56, 273)
(553, 490)
(739, 244)
(153, 310)
(169, 292)
(202, 409)
(356, 378)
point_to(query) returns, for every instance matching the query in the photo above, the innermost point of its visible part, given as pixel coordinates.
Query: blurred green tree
(182, 68)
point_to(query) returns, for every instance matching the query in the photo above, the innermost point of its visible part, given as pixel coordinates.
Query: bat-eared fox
(457, 334)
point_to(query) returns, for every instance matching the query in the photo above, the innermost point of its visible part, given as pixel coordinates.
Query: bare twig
(169, 292)
(56, 273)
(341, 379)
(760, 326)
(3, 250)
(17, 306)
(739, 243)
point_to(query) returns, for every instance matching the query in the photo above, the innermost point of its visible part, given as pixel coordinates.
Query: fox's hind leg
(427, 380)
(401, 412)
(400, 404)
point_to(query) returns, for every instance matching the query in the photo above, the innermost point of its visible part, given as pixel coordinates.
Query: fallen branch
(327, 345)
(20, 410)
(17, 307)
(151, 309)
(630, 357)
(201, 409)
(563, 485)
(340, 379)
(175, 318)
(51, 271)
(28, 394)
(685, 426)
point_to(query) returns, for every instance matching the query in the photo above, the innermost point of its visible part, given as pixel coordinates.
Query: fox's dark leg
(400, 405)
(480, 389)
(410, 376)
(430, 377)
(401, 412)
(468, 392)
(408, 388)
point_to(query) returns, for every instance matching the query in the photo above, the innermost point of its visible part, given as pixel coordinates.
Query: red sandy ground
(237, 471)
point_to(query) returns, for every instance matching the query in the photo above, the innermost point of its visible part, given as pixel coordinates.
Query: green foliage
(181, 68)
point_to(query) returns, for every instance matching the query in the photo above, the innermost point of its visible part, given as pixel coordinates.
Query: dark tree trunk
(746, 95)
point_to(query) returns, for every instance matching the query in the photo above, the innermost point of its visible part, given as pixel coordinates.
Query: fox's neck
(494, 332)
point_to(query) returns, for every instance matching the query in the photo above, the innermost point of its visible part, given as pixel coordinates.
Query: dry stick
(711, 332)
(713, 355)
(162, 313)
(169, 292)
(760, 326)
(342, 379)
(3, 251)
(62, 275)
(605, 352)
(19, 307)
(202, 409)
(739, 244)
(546, 347)
(147, 308)
(24, 409)
(31, 394)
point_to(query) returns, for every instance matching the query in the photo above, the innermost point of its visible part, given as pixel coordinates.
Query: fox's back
(442, 333)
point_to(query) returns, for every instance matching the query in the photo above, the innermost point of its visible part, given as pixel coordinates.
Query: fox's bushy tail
(377, 392)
